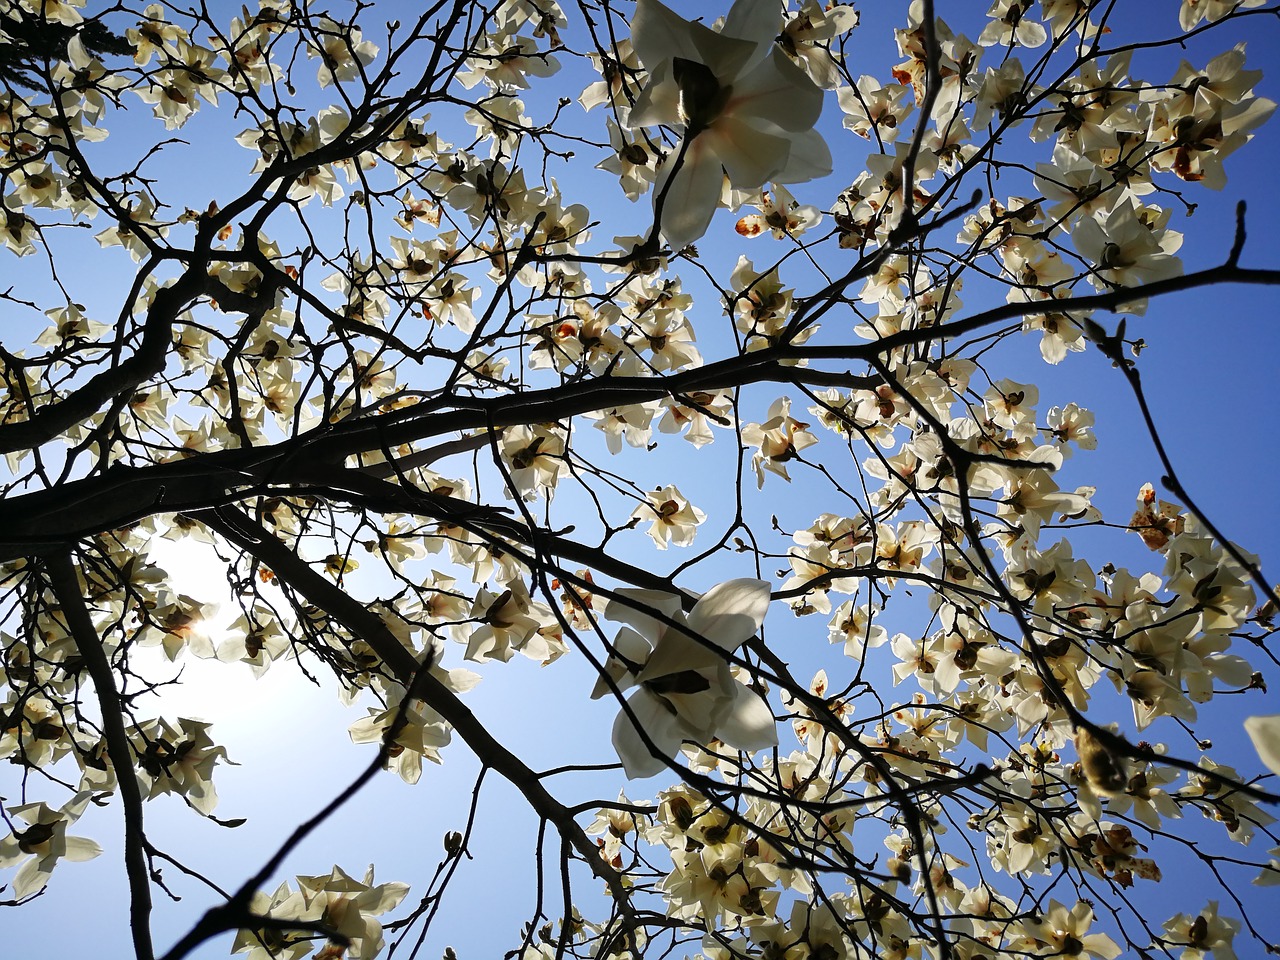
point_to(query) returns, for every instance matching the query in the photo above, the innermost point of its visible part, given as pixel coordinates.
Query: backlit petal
(678, 652)
(731, 612)
(659, 101)
(1265, 734)
(658, 34)
(659, 724)
(635, 614)
(749, 725)
(693, 196)
(749, 155)
(629, 646)
(777, 91)
(756, 21)
(810, 158)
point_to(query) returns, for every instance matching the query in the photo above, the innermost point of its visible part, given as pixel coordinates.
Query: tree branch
(66, 588)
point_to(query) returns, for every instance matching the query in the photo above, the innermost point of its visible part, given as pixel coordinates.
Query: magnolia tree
(690, 351)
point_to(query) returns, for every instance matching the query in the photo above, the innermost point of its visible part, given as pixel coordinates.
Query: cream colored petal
(659, 724)
(778, 91)
(30, 878)
(756, 21)
(635, 614)
(749, 724)
(750, 155)
(725, 617)
(1265, 734)
(658, 34)
(678, 652)
(385, 896)
(629, 646)
(731, 612)
(659, 101)
(699, 714)
(81, 848)
(810, 158)
(692, 197)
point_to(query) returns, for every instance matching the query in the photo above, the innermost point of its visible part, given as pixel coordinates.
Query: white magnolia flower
(1203, 936)
(746, 110)
(43, 842)
(1265, 734)
(1067, 932)
(673, 519)
(687, 691)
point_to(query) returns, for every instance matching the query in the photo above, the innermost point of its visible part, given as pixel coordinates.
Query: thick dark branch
(250, 536)
(48, 422)
(1070, 306)
(66, 588)
(34, 522)
(51, 518)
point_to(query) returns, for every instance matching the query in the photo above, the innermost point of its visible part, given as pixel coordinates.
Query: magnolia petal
(658, 34)
(77, 805)
(725, 56)
(630, 646)
(691, 196)
(1234, 671)
(725, 617)
(1265, 734)
(679, 652)
(1100, 945)
(749, 154)
(637, 613)
(1020, 857)
(31, 877)
(779, 92)
(383, 897)
(1258, 111)
(749, 724)
(700, 714)
(752, 225)
(659, 101)
(756, 21)
(809, 159)
(731, 612)
(661, 726)
(81, 848)
(458, 679)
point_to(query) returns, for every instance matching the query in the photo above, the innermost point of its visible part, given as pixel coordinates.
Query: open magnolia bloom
(687, 691)
(43, 842)
(747, 111)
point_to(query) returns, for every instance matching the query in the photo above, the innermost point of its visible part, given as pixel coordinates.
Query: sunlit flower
(1265, 734)
(1204, 935)
(1009, 26)
(674, 519)
(1063, 931)
(178, 760)
(745, 109)
(342, 51)
(44, 842)
(779, 438)
(779, 214)
(687, 691)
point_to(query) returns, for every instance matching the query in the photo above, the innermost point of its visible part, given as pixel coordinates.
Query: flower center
(702, 98)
